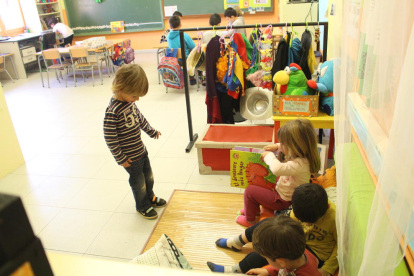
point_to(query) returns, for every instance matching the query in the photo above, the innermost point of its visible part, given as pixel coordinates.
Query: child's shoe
(150, 213)
(242, 220)
(193, 81)
(158, 202)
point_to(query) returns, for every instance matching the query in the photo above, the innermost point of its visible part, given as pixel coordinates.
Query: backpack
(170, 70)
(119, 55)
(129, 52)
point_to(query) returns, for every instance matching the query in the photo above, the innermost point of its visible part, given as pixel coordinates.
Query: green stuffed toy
(292, 81)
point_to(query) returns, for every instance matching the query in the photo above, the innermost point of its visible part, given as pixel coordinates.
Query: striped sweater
(122, 130)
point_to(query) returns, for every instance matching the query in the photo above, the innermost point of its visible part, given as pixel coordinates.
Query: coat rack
(193, 137)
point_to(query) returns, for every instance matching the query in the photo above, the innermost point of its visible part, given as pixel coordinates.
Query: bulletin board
(250, 5)
(187, 7)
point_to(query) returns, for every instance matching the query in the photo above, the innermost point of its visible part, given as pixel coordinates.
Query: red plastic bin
(213, 147)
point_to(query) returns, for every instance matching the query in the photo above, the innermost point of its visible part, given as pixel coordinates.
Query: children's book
(247, 169)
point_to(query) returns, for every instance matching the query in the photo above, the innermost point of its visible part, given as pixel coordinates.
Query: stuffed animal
(292, 81)
(325, 85)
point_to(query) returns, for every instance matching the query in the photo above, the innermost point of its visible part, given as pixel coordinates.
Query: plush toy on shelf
(325, 85)
(292, 81)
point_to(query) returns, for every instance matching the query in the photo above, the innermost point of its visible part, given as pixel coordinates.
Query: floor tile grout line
(99, 232)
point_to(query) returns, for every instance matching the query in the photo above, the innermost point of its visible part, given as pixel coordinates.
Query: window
(11, 15)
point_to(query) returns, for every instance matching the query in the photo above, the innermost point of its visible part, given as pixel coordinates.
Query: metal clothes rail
(193, 137)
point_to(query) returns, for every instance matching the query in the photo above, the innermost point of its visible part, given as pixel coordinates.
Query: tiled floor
(77, 197)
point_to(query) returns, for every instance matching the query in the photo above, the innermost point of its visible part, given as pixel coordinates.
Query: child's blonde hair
(238, 10)
(130, 79)
(298, 137)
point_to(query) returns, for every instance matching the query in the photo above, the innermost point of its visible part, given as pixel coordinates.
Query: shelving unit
(47, 10)
(37, 14)
(45, 14)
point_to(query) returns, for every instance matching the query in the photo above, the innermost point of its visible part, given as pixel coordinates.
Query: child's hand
(324, 272)
(262, 157)
(258, 271)
(273, 147)
(127, 163)
(157, 135)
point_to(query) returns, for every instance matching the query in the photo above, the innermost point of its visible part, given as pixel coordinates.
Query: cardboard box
(290, 105)
(213, 147)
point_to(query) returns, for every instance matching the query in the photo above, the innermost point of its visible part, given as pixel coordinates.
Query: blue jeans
(141, 181)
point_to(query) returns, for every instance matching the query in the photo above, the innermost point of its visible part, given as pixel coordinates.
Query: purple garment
(212, 56)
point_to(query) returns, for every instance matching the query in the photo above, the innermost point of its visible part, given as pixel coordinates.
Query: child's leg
(149, 178)
(149, 184)
(237, 242)
(252, 260)
(254, 196)
(137, 183)
(251, 207)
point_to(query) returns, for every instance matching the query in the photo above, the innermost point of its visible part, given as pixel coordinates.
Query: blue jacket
(173, 39)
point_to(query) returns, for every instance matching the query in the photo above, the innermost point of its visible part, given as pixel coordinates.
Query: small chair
(54, 56)
(105, 56)
(84, 64)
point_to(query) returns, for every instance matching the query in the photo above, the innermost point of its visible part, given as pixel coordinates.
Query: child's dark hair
(175, 21)
(177, 13)
(215, 19)
(309, 202)
(279, 237)
(229, 12)
(52, 20)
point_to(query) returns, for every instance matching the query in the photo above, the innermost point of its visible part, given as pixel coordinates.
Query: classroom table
(65, 51)
(10, 55)
(322, 121)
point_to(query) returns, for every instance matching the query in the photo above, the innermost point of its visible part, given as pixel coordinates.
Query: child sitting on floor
(316, 214)
(298, 142)
(281, 241)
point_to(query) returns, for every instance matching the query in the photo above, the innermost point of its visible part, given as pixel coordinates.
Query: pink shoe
(243, 221)
(241, 212)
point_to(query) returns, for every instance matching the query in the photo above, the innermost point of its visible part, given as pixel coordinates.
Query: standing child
(281, 241)
(60, 28)
(122, 130)
(298, 143)
(231, 15)
(239, 14)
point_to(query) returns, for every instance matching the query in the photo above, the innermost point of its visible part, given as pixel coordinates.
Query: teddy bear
(292, 81)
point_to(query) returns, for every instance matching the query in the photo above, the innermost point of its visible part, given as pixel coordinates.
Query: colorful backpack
(119, 55)
(129, 52)
(170, 70)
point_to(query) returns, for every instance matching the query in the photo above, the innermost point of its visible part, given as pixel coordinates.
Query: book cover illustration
(247, 169)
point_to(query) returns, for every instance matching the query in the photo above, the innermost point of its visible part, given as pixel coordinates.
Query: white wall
(11, 156)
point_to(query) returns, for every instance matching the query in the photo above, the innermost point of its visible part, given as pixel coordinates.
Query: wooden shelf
(45, 14)
(51, 3)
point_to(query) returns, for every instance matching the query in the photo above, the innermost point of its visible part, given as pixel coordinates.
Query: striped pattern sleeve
(111, 137)
(145, 126)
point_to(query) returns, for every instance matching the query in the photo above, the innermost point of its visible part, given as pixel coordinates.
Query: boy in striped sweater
(122, 130)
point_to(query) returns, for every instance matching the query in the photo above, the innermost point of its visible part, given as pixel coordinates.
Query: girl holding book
(298, 144)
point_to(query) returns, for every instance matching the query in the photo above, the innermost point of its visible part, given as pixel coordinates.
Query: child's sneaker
(150, 213)
(158, 202)
(193, 81)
